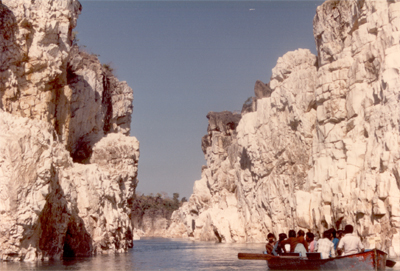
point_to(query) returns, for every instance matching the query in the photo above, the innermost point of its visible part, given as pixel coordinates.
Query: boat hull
(370, 260)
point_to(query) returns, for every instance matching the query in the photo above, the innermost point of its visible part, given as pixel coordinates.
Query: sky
(184, 59)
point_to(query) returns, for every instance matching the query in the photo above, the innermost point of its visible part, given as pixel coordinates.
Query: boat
(374, 259)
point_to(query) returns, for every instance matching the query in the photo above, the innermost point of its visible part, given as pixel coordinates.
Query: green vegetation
(108, 67)
(160, 204)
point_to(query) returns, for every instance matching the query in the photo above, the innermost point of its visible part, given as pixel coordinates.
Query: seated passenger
(278, 250)
(325, 245)
(292, 241)
(271, 243)
(350, 244)
(335, 240)
(339, 234)
(312, 243)
(302, 245)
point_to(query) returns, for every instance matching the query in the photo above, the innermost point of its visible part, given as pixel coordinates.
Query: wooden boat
(370, 260)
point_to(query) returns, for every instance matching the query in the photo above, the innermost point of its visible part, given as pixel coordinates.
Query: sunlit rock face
(37, 39)
(257, 161)
(320, 148)
(68, 169)
(355, 159)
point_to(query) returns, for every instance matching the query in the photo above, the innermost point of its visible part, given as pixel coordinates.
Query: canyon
(318, 145)
(68, 167)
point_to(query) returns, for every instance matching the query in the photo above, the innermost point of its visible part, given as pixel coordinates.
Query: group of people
(333, 243)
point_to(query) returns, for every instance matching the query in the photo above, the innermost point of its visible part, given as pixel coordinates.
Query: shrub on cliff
(160, 204)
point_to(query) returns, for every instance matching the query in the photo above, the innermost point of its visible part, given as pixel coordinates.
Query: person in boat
(278, 250)
(302, 245)
(312, 243)
(339, 234)
(350, 244)
(292, 241)
(271, 243)
(297, 244)
(325, 245)
(335, 240)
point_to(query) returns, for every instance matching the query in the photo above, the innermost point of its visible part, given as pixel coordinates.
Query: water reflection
(162, 254)
(158, 254)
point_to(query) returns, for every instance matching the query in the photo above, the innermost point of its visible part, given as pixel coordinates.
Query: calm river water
(159, 254)
(162, 254)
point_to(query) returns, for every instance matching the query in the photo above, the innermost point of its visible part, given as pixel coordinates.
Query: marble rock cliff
(68, 169)
(318, 147)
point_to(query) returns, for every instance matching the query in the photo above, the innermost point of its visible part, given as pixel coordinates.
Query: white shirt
(350, 244)
(326, 247)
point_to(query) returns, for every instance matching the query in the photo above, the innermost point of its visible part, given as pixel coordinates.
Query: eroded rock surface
(68, 169)
(317, 150)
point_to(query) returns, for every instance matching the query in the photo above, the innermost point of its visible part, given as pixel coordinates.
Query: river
(158, 254)
(161, 254)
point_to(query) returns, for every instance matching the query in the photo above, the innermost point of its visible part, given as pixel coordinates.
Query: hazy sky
(184, 59)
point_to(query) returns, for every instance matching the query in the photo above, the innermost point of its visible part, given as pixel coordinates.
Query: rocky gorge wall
(318, 147)
(150, 224)
(68, 169)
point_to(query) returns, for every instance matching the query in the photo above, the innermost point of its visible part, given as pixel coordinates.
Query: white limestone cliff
(151, 223)
(68, 169)
(319, 145)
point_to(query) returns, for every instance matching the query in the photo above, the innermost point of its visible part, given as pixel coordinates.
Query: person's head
(309, 237)
(327, 234)
(348, 229)
(271, 237)
(282, 236)
(292, 233)
(300, 233)
(333, 231)
(339, 234)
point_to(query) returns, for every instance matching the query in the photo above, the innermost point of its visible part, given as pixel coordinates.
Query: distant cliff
(318, 147)
(67, 165)
(151, 214)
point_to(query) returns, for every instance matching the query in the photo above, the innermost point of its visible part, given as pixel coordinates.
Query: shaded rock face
(322, 150)
(68, 170)
(151, 223)
(93, 103)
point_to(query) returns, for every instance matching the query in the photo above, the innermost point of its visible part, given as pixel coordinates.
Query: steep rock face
(151, 215)
(52, 207)
(255, 167)
(211, 212)
(151, 223)
(92, 104)
(68, 170)
(355, 153)
(322, 150)
(37, 38)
